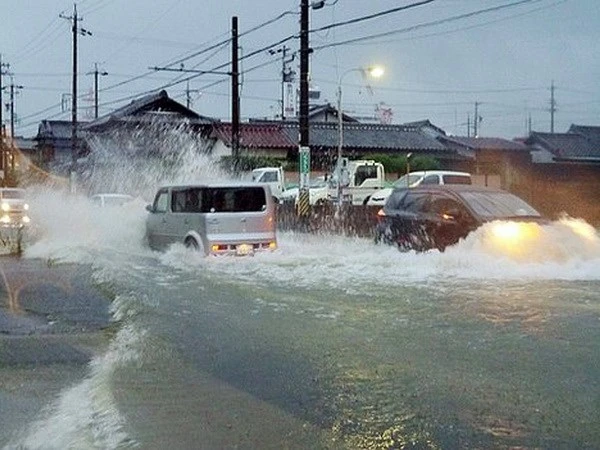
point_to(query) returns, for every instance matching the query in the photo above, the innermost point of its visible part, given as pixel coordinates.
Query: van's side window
(178, 200)
(246, 199)
(186, 200)
(161, 202)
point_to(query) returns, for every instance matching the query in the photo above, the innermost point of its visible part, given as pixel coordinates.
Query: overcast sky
(437, 63)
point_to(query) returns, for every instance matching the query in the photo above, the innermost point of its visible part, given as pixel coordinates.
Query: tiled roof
(328, 109)
(56, 129)
(152, 105)
(565, 145)
(369, 137)
(590, 132)
(487, 143)
(255, 135)
(426, 123)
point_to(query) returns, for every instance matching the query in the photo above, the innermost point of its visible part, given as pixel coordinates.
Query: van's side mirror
(149, 208)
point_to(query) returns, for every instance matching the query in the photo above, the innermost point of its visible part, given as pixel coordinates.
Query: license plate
(244, 249)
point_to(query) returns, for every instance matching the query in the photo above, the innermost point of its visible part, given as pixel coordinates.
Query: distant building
(581, 144)
(54, 149)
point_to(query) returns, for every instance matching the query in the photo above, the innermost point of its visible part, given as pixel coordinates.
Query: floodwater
(329, 342)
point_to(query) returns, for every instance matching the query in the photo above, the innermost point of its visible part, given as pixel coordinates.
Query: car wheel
(192, 244)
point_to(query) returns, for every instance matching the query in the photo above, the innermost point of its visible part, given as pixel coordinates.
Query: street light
(371, 71)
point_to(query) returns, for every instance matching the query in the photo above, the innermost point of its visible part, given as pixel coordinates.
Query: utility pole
(287, 75)
(468, 125)
(2, 72)
(476, 121)
(13, 86)
(235, 96)
(552, 107)
(188, 96)
(75, 30)
(96, 73)
(2, 154)
(303, 138)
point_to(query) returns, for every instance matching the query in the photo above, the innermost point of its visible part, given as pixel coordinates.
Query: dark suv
(428, 217)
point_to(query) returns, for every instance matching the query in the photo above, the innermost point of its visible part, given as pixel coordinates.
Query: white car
(418, 178)
(318, 192)
(14, 208)
(108, 200)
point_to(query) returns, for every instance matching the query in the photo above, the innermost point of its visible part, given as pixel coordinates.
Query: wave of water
(70, 229)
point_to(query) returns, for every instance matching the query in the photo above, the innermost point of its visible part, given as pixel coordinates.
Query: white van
(214, 219)
(418, 178)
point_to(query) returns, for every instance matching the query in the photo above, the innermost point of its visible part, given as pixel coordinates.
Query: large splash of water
(68, 227)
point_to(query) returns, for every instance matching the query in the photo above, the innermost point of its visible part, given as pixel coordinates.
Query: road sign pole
(303, 195)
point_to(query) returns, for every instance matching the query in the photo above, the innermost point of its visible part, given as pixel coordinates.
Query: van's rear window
(219, 199)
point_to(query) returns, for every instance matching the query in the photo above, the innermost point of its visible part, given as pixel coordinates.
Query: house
(151, 110)
(54, 149)
(255, 138)
(565, 172)
(327, 113)
(279, 139)
(492, 161)
(579, 145)
(148, 126)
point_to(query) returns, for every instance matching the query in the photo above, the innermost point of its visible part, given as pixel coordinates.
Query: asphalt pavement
(53, 320)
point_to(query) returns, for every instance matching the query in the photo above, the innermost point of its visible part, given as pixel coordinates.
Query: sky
(440, 58)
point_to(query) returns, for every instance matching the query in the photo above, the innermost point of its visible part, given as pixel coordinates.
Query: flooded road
(329, 342)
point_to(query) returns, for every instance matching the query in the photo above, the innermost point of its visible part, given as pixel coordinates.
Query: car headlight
(5, 218)
(5, 206)
(515, 237)
(25, 219)
(506, 230)
(26, 207)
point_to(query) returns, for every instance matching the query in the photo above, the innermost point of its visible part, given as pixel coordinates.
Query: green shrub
(397, 163)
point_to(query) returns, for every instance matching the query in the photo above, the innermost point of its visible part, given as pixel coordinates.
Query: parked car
(108, 200)
(418, 178)
(318, 192)
(14, 208)
(214, 219)
(437, 216)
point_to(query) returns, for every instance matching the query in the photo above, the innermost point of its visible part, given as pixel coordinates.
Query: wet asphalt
(53, 320)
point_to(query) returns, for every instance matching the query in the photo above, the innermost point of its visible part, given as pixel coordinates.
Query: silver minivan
(214, 219)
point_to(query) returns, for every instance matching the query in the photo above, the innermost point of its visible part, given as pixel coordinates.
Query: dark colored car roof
(457, 189)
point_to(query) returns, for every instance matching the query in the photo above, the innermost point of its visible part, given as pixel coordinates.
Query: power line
(464, 28)
(426, 24)
(371, 16)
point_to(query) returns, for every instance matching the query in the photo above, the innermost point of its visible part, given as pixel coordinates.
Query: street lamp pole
(374, 71)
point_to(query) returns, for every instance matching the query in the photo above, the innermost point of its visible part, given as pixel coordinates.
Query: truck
(274, 177)
(354, 180)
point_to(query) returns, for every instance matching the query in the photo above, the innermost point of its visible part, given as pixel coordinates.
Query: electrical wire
(427, 24)
(371, 16)
(457, 30)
